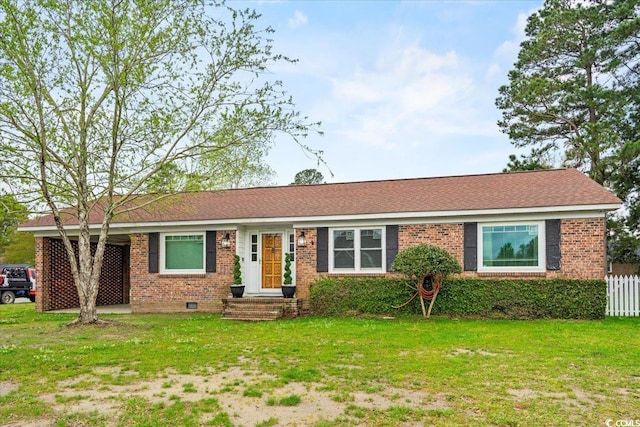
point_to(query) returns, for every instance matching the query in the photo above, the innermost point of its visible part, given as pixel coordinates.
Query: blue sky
(403, 89)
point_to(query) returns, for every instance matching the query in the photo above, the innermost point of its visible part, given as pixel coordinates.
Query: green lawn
(195, 369)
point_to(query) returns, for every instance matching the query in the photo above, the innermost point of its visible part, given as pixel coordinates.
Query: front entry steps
(259, 308)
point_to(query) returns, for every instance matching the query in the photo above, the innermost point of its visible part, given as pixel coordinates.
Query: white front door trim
(253, 259)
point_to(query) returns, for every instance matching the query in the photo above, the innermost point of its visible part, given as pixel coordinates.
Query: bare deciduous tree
(96, 97)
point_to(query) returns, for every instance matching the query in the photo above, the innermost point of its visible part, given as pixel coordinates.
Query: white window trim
(163, 252)
(288, 234)
(542, 249)
(357, 249)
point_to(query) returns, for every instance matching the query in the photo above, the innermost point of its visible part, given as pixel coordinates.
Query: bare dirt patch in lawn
(576, 397)
(41, 422)
(7, 387)
(89, 393)
(466, 351)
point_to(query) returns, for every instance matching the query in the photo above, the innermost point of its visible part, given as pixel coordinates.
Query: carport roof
(531, 190)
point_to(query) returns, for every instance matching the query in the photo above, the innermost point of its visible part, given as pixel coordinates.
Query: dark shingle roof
(534, 189)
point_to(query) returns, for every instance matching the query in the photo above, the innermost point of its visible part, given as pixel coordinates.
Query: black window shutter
(211, 252)
(470, 246)
(392, 245)
(552, 234)
(322, 250)
(154, 243)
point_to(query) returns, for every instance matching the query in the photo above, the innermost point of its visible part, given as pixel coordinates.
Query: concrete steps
(257, 309)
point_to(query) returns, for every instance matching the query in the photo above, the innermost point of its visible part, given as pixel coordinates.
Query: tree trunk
(435, 294)
(87, 289)
(90, 267)
(88, 309)
(436, 288)
(424, 310)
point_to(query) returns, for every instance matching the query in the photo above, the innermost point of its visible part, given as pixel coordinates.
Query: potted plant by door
(288, 289)
(237, 289)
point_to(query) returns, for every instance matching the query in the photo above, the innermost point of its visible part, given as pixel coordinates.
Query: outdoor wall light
(302, 240)
(226, 242)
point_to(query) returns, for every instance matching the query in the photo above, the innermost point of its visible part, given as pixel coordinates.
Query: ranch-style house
(177, 253)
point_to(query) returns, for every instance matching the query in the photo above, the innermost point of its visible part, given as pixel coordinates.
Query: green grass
(273, 421)
(291, 400)
(251, 392)
(435, 372)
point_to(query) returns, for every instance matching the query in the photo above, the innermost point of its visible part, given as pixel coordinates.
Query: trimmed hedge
(470, 297)
(362, 295)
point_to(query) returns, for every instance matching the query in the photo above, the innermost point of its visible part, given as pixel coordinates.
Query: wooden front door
(271, 261)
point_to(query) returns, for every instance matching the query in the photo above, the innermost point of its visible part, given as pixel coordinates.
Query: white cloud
(494, 70)
(413, 59)
(299, 19)
(356, 90)
(506, 54)
(410, 96)
(394, 104)
(509, 48)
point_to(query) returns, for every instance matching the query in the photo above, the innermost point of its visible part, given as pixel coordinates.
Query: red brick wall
(449, 237)
(55, 285)
(582, 244)
(43, 269)
(306, 262)
(582, 247)
(155, 292)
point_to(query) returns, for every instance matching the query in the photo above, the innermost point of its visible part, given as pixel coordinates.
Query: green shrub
(472, 297)
(237, 272)
(287, 269)
(524, 299)
(422, 260)
(363, 295)
(419, 262)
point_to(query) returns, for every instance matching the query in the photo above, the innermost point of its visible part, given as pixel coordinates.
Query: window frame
(542, 249)
(291, 246)
(163, 253)
(357, 248)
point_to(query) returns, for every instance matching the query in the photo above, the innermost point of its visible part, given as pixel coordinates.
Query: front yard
(166, 370)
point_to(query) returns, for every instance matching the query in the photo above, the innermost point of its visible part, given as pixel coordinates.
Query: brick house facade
(183, 260)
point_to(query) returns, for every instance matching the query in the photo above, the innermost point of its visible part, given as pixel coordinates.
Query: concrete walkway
(102, 309)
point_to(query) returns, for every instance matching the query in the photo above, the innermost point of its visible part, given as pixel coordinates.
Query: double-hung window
(511, 247)
(357, 250)
(182, 253)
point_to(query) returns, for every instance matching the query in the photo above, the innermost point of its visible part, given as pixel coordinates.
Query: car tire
(8, 297)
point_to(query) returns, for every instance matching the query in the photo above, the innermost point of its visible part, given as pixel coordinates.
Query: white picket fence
(623, 296)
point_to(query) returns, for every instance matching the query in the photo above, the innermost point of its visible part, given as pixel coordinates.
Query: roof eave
(233, 222)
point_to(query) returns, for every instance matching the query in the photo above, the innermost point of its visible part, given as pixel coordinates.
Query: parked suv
(17, 281)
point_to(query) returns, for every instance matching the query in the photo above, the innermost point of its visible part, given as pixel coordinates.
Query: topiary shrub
(237, 273)
(420, 262)
(287, 269)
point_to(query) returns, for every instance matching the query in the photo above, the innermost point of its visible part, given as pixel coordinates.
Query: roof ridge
(424, 178)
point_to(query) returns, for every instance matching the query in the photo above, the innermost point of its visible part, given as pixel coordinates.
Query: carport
(55, 286)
